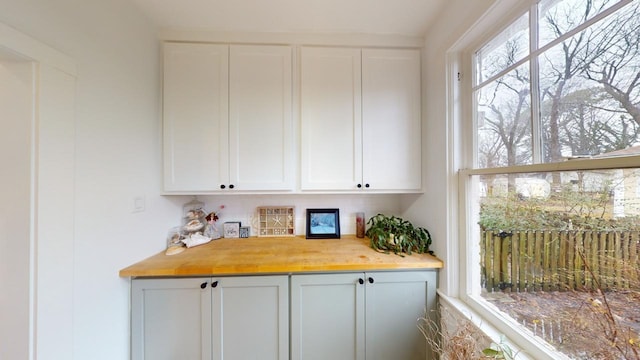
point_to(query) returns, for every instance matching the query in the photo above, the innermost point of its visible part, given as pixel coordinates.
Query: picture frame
(231, 229)
(245, 231)
(323, 224)
(276, 221)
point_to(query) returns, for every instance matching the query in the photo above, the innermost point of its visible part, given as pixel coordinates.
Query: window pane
(558, 252)
(557, 17)
(504, 120)
(504, 50)
(590, 89)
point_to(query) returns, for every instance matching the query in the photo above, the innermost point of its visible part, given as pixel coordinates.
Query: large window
(553, 186)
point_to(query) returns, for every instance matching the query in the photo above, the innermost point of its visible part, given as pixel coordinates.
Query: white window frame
(462, 278)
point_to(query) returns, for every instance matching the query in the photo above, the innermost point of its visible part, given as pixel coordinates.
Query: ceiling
(387, 17)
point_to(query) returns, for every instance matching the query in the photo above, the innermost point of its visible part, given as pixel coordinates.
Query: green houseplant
(391, 233)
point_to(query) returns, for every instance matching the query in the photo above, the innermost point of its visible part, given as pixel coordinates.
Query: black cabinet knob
(366, 185)
(231, 186)
(203, 285)
(370, 280)
(359, 186)
(214, 284)
(361, 281)
(222, 186)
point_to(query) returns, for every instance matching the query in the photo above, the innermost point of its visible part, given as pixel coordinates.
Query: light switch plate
(138, 204)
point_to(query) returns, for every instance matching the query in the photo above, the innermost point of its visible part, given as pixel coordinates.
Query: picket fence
(560, 260)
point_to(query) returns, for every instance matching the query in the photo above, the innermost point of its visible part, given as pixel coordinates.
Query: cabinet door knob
(222, 186)
(366, 185)
(231, 186)
(359, 186)
(360, 281)
(370, 280)
(203, 285)
(214, 284)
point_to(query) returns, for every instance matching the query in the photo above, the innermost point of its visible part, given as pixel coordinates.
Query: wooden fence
(560, 260)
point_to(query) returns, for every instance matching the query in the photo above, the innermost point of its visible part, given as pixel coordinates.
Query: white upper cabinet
(260, 124)
(391, 119)
(195, 116)
(360, 120)
(228, 124)
(227, 118)
(331, 128)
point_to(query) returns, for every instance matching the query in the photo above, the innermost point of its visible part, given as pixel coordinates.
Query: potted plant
(391, 233)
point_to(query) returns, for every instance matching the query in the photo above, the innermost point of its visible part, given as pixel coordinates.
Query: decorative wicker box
(276, 221)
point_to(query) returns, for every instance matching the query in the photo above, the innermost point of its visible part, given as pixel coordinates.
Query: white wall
(38, 122)
(16, 126)
(433, 210)
(116, 142)
(54, 212)
(117, 157)
(117, 146)
(243, 207)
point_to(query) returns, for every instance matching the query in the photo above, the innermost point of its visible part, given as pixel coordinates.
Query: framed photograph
(231, 229)
(323, 223)
(244, 231)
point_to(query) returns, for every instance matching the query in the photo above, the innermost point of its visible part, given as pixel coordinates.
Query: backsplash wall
(243, 207)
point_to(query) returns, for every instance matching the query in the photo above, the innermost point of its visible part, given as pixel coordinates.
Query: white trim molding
(25, 46)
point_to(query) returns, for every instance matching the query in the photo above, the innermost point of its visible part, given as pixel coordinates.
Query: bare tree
(590, 125)
(507, 116)
(612, 58)
(560, 65)
(589, 86)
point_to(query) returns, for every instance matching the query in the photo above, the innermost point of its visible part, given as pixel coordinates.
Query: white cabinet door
(360, 120)
(331, 127)
(171, 319)
(260, 125)
(394, 302)
(327, 317)
(391, 119)
(251, 318)
(195, 117)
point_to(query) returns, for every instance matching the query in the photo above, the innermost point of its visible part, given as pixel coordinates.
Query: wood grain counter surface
(276, 256)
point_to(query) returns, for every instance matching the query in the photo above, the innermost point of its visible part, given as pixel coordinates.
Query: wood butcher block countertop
(276, 256)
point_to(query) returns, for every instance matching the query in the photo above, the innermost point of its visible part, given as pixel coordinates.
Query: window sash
(534, 73)
(533, 37)
(622, 162)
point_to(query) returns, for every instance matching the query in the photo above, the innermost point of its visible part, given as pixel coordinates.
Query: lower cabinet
(210, 318)
(393, 304)
(338, 316)
(360, 315)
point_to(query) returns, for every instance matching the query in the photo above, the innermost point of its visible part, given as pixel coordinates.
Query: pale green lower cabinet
(360, 316)
(226, 318)
(337, 316)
